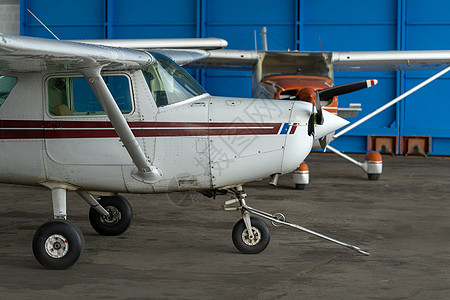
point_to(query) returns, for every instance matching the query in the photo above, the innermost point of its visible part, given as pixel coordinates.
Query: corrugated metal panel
(427, 27)
(67, 19)
(292, 24)
(237, 21)
(353, 25)
(9, 17)
(152, 19)
(356, 26)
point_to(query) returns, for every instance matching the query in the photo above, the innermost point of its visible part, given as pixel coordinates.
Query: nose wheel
(252, 243)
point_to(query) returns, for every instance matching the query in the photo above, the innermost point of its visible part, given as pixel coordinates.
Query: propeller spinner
(332, 120)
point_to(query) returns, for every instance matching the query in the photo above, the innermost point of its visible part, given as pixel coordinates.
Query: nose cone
(331, 123)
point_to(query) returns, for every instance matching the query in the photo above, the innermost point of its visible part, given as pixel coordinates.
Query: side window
(6, 85)
(72, 96)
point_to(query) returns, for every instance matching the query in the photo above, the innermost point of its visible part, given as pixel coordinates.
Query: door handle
(198, 104)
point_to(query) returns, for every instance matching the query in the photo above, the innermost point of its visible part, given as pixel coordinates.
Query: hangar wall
(308, 25)
(9, 17)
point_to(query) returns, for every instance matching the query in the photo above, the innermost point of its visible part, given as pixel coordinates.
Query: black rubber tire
(115, 226)
(300, 186)
(264, 240)
(73, 238)
(373, 176)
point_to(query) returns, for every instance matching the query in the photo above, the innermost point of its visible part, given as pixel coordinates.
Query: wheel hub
(56, 246)
(251, 241)
(113, 217)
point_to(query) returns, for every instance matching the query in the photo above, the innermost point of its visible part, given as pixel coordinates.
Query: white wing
(146, 44)
(27, 54)
(183, 56)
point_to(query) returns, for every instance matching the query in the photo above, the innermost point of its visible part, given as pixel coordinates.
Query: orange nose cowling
(307, 94)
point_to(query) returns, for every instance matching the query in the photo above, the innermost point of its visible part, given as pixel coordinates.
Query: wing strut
(145, 171)
(366, 165)
(392, 102)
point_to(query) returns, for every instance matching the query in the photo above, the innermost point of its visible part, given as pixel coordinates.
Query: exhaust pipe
(274, 179)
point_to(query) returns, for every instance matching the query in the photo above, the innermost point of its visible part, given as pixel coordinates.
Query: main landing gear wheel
(119, 219)
(57, 245)
(242, 240)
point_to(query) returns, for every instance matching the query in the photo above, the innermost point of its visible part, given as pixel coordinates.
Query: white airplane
(101, 120)
(298, 75)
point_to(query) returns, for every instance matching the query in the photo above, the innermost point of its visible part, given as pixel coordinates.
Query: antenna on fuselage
(42, 24)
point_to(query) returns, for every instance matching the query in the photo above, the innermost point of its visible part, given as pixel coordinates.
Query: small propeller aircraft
(103, 120)
(299, 75)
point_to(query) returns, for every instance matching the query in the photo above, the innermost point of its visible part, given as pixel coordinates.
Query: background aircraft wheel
(119, 219)
(373, 176)
(57, 245)
(242, 241)
(300, 186)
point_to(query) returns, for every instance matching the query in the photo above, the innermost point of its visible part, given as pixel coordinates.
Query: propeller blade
(329, 93)
(319, 116)
(325, 122)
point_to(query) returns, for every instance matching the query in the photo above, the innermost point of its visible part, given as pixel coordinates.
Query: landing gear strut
(58, 245)
(251, 235)
(254, 241)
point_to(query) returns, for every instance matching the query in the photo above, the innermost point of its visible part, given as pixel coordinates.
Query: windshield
(296, 63)
(169, 83)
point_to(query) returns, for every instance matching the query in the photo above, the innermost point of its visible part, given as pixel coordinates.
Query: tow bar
(279, 219)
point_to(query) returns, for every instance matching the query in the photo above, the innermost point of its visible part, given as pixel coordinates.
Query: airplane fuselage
(51, 131)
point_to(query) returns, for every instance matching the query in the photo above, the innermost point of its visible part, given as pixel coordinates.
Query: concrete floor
(183, 250)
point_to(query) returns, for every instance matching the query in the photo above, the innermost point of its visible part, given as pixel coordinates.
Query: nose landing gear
(251, 235)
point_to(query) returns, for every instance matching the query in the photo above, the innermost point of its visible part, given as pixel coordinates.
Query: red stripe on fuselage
(18, 129)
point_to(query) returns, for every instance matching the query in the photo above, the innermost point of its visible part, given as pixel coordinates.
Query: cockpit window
(169, 83)
(7, 83)
(72, 96)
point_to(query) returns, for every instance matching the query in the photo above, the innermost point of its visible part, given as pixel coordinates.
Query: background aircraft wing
(228, 59)
(27, 54)
(341, 61)
(390, 60)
